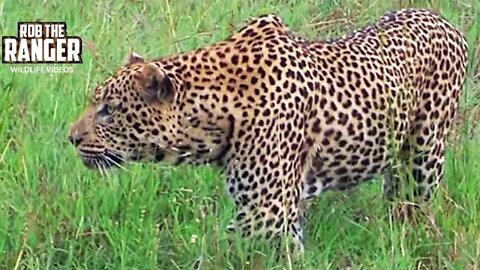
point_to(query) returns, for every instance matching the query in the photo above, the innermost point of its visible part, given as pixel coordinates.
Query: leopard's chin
(155, 154)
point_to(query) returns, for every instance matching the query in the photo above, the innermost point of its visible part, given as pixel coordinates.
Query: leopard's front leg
(267, 197)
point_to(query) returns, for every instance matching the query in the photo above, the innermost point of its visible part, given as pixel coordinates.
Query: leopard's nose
(75, 139)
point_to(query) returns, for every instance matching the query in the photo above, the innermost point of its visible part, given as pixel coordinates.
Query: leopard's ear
(133, 58)
(155, 85)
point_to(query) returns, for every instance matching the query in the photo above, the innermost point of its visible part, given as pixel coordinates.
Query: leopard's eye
(106, 110)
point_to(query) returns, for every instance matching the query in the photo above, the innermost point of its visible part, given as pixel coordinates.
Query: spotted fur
(288, 118)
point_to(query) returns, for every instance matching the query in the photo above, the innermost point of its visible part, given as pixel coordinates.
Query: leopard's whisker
(186, 154)
(99, 166)
(113, 161)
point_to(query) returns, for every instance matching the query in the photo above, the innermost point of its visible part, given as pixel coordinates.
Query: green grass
(56, 214)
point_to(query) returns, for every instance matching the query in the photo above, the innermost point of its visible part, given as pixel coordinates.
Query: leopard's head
(137, 115)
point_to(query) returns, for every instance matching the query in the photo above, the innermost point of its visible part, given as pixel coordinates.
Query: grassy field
(56, 214)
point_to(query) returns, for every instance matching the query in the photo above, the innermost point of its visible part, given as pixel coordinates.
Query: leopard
(287, 118)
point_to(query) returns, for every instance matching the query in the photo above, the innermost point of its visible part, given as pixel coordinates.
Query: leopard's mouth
(101, 160)
(110, 159)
